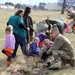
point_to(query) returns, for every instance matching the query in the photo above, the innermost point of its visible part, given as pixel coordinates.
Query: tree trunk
(63, 7)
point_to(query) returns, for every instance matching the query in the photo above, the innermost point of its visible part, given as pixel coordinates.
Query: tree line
(66, 5)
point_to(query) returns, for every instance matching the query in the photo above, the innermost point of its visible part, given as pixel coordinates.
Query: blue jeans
(22, 42)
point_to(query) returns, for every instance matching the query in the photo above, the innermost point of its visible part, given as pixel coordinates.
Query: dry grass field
(37, 16)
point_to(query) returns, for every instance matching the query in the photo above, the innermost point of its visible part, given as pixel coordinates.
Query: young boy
(9, 44)
(34, 46)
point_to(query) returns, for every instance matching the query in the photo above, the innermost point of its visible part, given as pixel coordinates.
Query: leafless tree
(66, 4)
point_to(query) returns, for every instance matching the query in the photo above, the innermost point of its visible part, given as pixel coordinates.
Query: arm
(22, 26)
(7, 23)
(6, 42)
(33, 48)
(31, 28)
(31, 24)
(51, 21)
(57, 45)
(21, 23)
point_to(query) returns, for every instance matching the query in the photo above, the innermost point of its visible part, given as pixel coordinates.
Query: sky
(30, 2)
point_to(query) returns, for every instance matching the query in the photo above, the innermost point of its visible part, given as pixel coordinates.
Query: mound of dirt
(22, 66)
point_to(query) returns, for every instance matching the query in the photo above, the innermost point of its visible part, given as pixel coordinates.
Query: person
(61, 50)
(9, 44)
(29, 23)
(42, 36)
(46, 46)
(41, 27)
(67, 30)
(19, 31)
(74, 28)
(35, 49)
(71, 16)
(57, 23)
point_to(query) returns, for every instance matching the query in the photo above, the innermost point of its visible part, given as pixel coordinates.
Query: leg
(31, 38)
(23, 44)
(15, 50)
(9, 57)
(58, 56)
(9, 61)
(6, 53)
(16, 45)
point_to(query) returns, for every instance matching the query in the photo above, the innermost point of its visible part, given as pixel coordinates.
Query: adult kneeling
(61, 50)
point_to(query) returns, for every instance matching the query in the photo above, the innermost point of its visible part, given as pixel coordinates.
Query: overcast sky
(30, 2)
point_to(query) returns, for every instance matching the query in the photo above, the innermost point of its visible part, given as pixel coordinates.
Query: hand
(28, 29)
(44, 55)
(34, 30)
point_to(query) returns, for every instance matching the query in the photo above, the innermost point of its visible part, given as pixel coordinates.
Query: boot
(9, 63)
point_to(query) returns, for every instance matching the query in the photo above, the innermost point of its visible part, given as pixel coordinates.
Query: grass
(37, 16)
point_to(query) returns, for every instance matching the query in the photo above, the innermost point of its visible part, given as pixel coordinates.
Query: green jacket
(15, 21)
(62, 43)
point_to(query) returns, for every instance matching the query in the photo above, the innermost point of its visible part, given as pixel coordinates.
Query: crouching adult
(61, 25)
(41, 27)
(61, 50)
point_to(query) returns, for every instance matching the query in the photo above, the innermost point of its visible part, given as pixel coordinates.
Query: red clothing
(41, 44)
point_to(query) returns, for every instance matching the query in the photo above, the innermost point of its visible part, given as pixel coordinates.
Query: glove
(44, 55)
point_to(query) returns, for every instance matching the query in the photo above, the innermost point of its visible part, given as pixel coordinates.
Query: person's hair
(55, 29)
(47, 33)
(27, 11)
(36, 38)
(9, 28)
(18, 12)
(69, 11)
(46, 41)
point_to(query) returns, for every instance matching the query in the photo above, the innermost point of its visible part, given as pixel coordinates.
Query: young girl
(9, 44)
(46, 46)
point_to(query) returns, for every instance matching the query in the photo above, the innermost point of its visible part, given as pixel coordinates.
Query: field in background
(37, 16)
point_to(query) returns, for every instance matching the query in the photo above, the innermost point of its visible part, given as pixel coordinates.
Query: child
(9, 44)
(42, 37)
(34, 46)
(47, 45)
(67, 28)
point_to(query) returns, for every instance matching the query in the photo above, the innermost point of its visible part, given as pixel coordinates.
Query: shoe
(47, 65)
(9, 63)
(56, 65)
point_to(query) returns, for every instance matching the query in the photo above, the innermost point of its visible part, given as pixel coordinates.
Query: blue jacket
(34, 48)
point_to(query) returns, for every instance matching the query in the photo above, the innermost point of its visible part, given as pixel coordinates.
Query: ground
(37, 16)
